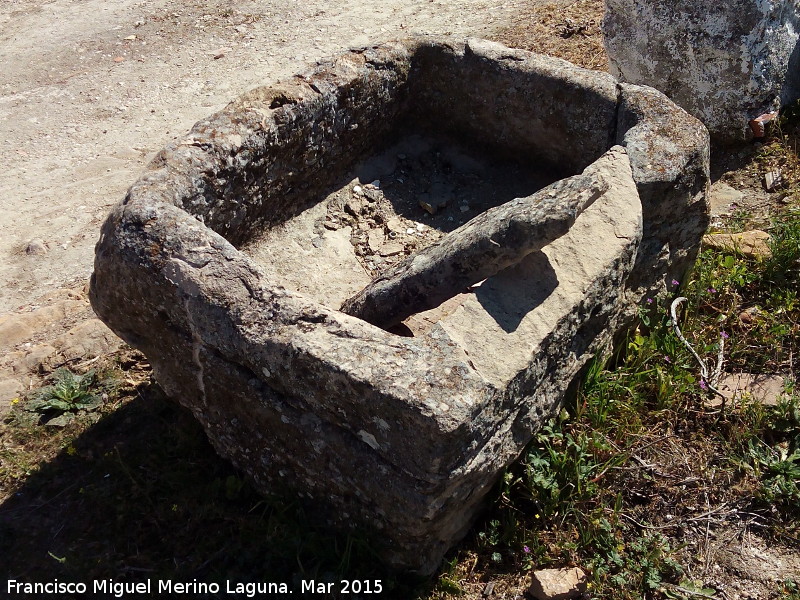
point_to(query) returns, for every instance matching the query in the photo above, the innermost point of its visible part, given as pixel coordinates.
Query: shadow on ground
(141, 495)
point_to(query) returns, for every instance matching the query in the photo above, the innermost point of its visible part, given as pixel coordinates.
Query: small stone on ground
(557, 584)
(752, 244)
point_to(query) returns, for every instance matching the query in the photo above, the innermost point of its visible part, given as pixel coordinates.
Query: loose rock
(558, 584)
(721, 197)
(773, 180)
(766, 389)
(752, 244)
(35, 248)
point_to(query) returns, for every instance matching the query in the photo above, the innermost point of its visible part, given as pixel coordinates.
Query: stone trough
(227, 265)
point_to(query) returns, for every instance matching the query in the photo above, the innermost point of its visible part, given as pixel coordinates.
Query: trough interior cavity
(396, 202)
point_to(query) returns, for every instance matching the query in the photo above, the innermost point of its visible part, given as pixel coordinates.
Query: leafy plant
(69, 393)
(778, 470)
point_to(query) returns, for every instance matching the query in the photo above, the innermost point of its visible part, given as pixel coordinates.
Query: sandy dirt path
(90, 90)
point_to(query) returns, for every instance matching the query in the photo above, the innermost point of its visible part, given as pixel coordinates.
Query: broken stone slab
(558, 584)
(722, 198)
(403, 436)
(751, 244)
(725, 63)
(764, 388)
(773, 180)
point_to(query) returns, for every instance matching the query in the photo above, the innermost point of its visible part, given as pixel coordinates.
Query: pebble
(464, 208)
(372, 194)
(357, 190)
(392, 249)
(36, 247)
(411, 231)
(425, 203)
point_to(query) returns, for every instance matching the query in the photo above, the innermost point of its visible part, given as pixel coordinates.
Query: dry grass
(568, 30)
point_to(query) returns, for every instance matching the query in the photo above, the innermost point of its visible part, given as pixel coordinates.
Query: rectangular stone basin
(229, 261)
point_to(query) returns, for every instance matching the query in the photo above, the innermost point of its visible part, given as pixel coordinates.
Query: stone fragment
(759, 124)
(722, 197)
(354, 206)
(373, 194)
(375, 239)
(558, 584)
(766, 389)
(396, 224)
(725, 63)
(392, 249)
(752, 244)
(773, 180)
(35, 247)
(35, 359)
(427, 204)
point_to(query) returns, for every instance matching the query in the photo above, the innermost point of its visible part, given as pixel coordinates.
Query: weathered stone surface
(752, 244)
(726, 63)
(19, 327)
(402, 435)
(88, 339)
(34, 359)
(763, 388)
(723, 199)
(557, 584)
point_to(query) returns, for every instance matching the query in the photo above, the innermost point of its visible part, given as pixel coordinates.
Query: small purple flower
(724, 334)
(675, 282)
(711, 291)
(703, 385)
(649, 300)
(667, 360)
(526, 550)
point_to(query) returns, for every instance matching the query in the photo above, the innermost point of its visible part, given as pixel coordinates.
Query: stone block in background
(724, 62)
